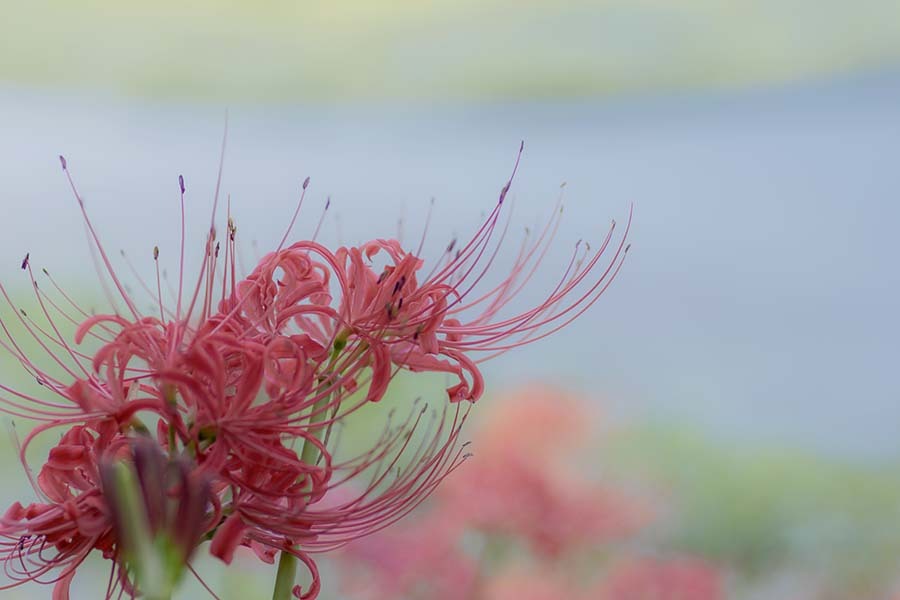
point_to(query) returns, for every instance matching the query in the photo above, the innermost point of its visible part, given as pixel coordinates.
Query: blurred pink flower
(522, 497)
(525, 480)
(548, 422)
(532, 583)
(420, 559)
(654, 579)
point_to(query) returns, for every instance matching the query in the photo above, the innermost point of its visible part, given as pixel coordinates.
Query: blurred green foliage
(446, 50)
(763, 511)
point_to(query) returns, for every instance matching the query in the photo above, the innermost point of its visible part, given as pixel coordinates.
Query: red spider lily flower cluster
(222, 401)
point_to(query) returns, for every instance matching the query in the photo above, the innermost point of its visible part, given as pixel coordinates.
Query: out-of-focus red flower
(519, 521)
(525, 480)
(535, 582)
(420, 559)
(657, 579)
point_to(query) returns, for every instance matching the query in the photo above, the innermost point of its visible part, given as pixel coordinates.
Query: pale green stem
(287, 562)
(284, 579)
(310, 453)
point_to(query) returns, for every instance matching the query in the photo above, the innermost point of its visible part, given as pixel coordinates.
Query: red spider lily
(237, 372)
(74, 519)
(446, 322)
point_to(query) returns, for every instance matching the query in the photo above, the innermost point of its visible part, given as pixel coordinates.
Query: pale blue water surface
(760, 298)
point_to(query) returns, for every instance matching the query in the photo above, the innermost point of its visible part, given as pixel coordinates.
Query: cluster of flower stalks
(208, 420)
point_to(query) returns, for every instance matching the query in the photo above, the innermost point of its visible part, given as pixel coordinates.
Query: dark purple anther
(25, 261)
(181, 183)
(62, 161)
(305, 183)
(503, 193)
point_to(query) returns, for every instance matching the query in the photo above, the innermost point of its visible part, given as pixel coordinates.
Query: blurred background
(744, 361)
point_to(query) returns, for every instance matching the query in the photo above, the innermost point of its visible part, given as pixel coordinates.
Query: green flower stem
(310, 453)
(284, 579)
(287, 562)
